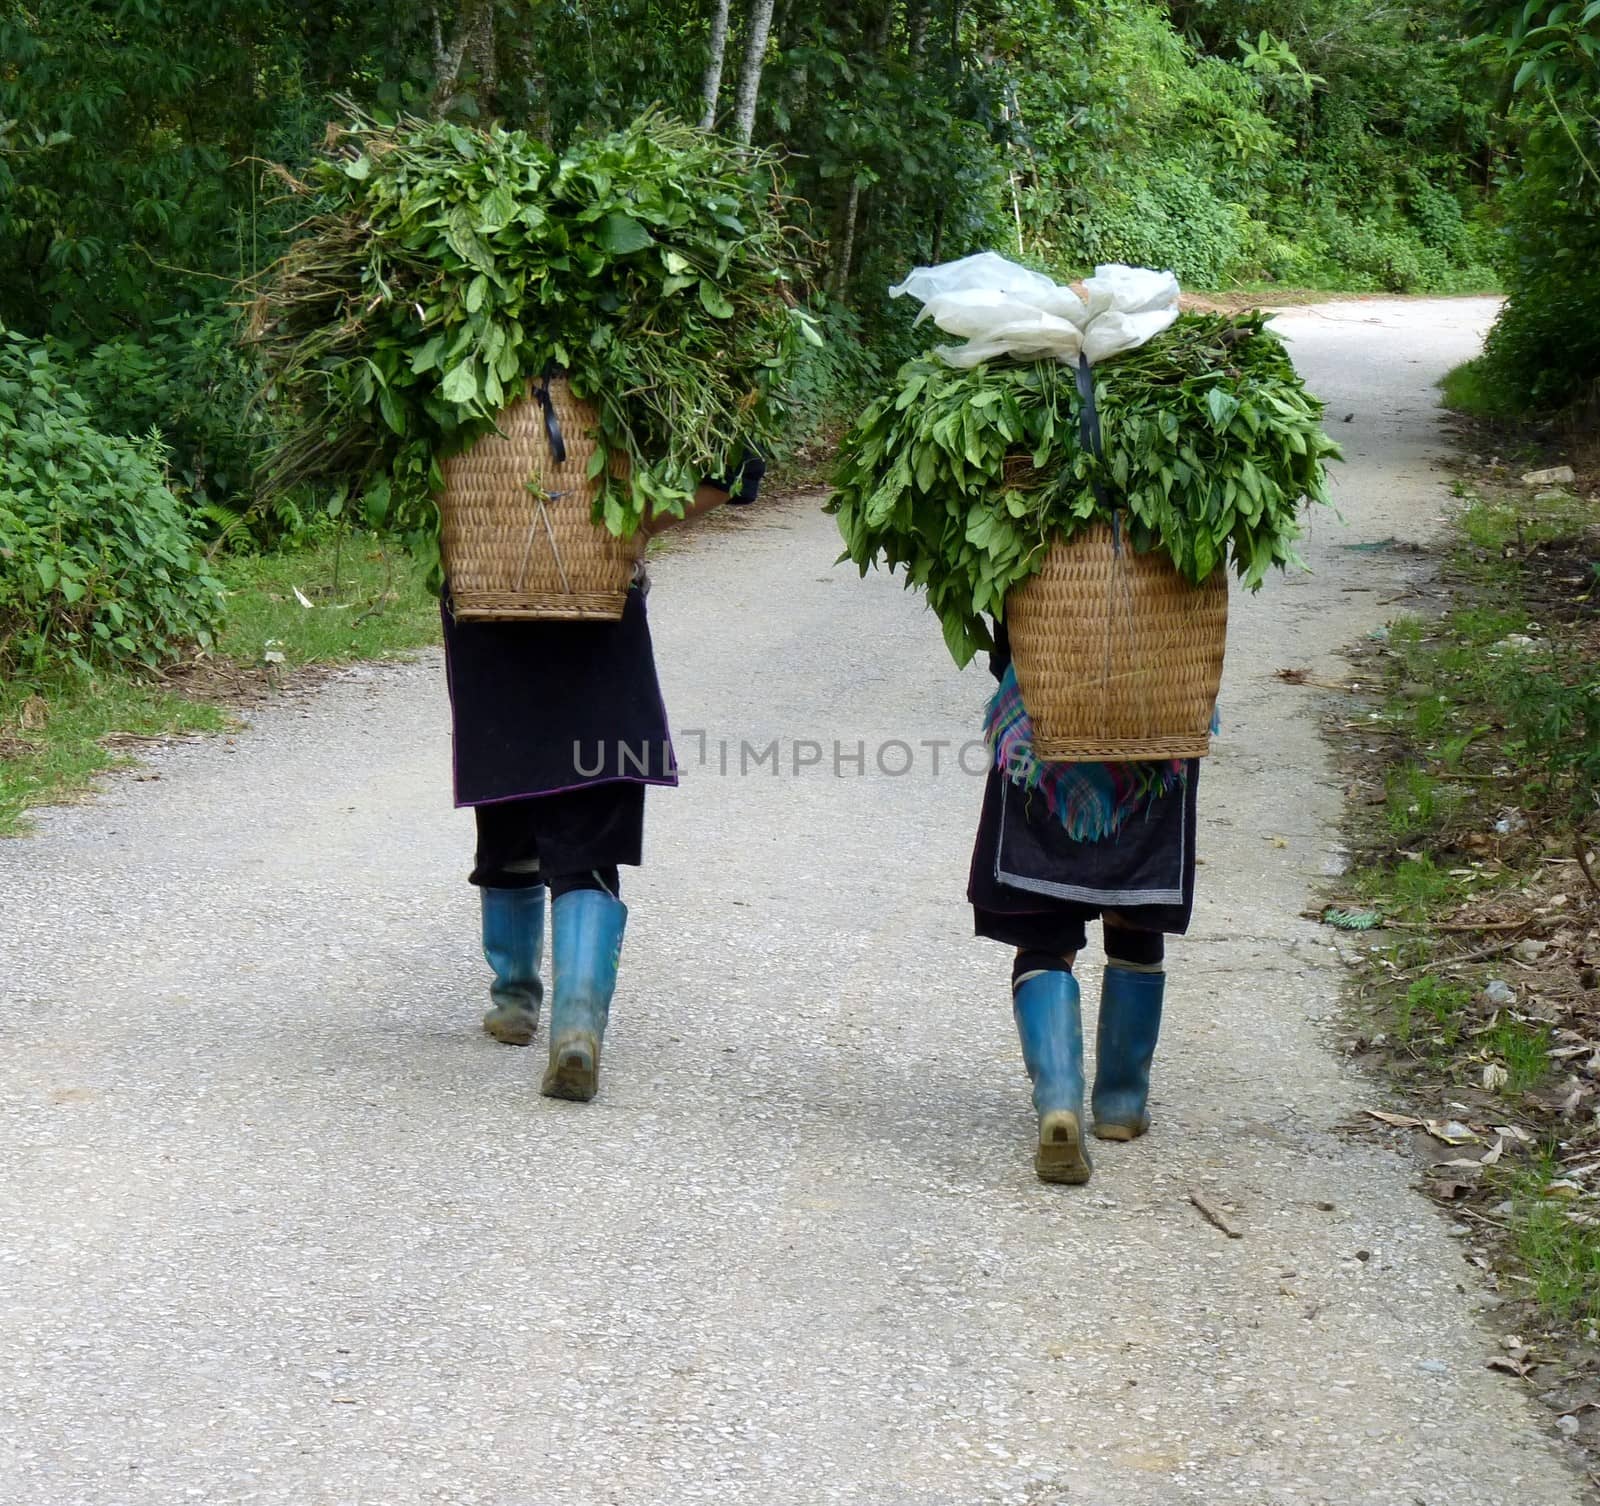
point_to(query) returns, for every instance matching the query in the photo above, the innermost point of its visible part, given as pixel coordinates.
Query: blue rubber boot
(586, 945)
(513, 937)
(1130, 1021)
(1050, 1026)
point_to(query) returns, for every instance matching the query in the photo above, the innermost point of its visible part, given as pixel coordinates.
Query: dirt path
(281, 1227)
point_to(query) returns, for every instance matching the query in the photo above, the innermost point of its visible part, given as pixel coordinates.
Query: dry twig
(1213, 1215)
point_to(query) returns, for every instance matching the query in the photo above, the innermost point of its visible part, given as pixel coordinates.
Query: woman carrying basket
(1105, 545)
(1059, 845)
(558, 728)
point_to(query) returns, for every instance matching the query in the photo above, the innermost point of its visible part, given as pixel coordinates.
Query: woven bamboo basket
(1118, 657)
(516, 537)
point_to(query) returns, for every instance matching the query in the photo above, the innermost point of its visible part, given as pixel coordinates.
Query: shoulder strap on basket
(552, 424)
(1089, 439)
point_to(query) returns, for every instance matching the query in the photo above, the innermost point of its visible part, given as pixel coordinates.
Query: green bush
(1544, 349)
(1171, 218)
(1441, 225)
(832, 381)
(188, 378)
(98, 561)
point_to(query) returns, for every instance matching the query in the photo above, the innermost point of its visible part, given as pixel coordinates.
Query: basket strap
(1089, 439)
(1088, 415)
(552, 424)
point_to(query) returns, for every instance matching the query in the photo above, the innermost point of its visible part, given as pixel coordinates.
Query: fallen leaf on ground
(1513, 1365)
(1399, 1121)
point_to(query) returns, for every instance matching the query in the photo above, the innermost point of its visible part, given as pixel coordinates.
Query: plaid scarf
(1092, 801)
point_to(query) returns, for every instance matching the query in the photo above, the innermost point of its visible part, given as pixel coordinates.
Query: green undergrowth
(59, 731)
(1481, 757)
(1471, 389)
(1561, 1257)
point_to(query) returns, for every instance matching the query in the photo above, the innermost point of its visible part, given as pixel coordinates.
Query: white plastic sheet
(1001, 309)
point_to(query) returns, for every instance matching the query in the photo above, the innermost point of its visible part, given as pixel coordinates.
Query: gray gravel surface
(280, 1226)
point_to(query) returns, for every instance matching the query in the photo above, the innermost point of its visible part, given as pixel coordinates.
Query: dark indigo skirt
(546, 708)
(1033, 885)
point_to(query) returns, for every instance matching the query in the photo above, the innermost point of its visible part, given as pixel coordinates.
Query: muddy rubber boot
(1050, 1027)
(586, 945)
(513, 937)
(1130, 1021)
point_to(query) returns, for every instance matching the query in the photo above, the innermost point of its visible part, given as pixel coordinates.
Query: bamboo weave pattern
(516, 535)
(1118, 657)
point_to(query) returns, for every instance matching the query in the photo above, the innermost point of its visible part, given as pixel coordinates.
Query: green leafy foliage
(98, 562)
(446, 267)
(189, 371)
(1545, 348)
(1313, 142)
(1211, 445)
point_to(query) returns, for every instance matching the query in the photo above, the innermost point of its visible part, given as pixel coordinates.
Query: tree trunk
(755, 51)
(878, 42)
(471, 39)
(847, 241)
(880, 35)
(712, 86)
(917, 28)
(1011, 171)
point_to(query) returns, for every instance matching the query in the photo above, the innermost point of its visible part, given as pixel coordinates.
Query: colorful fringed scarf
(1092, 801)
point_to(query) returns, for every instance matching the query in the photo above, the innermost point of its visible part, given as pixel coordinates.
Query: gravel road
(278, 1225)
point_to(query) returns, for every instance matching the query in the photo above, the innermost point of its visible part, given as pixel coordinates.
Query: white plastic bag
(999, 322)
(985, 270)
(1002, 309)
(1131, 290)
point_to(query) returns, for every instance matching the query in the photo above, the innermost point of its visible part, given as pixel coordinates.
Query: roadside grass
(57, 735)
(365, 603)
(1561, 1257)
(1478, 972)
(1467, 389)
(1259, 292)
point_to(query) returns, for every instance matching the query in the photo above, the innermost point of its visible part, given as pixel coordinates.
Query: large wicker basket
(516, 536)
(1118, 657)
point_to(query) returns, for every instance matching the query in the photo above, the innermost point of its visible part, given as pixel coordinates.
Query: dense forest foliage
(1432, 146)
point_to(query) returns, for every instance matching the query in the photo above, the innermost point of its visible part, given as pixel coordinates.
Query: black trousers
(1124, 944)
(576, 839)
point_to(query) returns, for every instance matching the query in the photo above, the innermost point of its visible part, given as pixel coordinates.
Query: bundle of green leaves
(446, 267)
(1210, 445)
